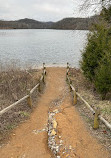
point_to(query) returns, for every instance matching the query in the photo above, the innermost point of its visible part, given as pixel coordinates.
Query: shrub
(94, 50)
(106, 13)
(96, 58)
(103, 77)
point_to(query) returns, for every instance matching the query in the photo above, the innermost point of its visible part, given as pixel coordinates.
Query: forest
(66, 23)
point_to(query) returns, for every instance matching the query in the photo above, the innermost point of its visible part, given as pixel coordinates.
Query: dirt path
(30, 139)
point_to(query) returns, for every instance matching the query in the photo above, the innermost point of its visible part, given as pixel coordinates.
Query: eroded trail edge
(55, 128)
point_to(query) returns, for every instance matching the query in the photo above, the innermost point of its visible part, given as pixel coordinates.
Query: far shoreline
(44, 29)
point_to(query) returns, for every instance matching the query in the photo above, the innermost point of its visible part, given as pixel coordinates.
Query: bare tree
(94, 4)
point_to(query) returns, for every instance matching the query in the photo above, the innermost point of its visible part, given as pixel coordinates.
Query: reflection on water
(34, 47)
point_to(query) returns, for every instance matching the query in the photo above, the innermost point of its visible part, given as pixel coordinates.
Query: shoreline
(44, 29)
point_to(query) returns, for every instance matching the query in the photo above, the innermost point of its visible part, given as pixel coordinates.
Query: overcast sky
(43, 10)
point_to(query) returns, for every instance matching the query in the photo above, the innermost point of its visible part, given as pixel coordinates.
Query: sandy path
(77, 141)
(27, 142)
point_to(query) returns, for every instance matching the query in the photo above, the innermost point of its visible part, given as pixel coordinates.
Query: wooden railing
(96, 112)
(30, 92)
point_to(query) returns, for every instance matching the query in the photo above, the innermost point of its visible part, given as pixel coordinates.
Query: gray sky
(43, 10)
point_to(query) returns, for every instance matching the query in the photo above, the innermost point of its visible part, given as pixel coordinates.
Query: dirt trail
(30, 139)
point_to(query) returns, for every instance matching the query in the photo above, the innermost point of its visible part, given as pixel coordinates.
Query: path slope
(30, 138)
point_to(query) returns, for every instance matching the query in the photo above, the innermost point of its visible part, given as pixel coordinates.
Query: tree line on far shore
(67, 23)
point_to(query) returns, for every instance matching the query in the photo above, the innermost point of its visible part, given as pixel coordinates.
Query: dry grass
(87, 90)
(14, 83)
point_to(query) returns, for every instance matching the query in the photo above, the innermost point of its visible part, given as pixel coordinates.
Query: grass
(14, 83)
(88, 119)
(106, 110)
(87, 90)
(10, 126)
(24, 114)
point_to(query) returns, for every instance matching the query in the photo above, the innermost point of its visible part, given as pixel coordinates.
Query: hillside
(74, 23)
(67, 23)
(24, 24)
(34, 24)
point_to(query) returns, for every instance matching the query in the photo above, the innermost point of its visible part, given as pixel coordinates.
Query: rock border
(52, 134)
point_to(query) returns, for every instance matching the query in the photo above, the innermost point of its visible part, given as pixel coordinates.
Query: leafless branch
(87, 4)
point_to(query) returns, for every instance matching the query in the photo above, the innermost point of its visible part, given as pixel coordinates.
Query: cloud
(44, 10)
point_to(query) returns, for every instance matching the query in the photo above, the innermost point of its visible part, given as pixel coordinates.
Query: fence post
(39, 87)
(70, 88)
(67, 65)
(66, 77)
(43, 65)
(44, 68)
(29, 99)
(67, 68)
(96, 118)
(67, 72)
(75, 98)
(45, 71)
(70, 82)
(43, 78)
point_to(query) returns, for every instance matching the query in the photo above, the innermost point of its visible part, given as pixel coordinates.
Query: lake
(33, 47)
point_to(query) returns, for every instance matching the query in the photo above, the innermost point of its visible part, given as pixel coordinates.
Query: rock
(70, 147)
(59, 137)
(61, 141)
(54, 124)
(67, 155)
(53, 133)
(56, 111)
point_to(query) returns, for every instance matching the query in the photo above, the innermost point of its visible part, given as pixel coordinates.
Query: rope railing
(96, 112)
(29, 93)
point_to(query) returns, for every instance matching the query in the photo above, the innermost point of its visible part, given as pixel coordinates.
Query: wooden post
(43, 78)
(67, 72)
(75, 98)
(45, 71)
(67, 69)
(66, 77)
(39, 87)
(70, 85)
(67, 65)
(70, 89)
(96, 118)
(29, 100)
(43, 66)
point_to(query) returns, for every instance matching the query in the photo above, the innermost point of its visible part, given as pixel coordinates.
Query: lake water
(33, 47)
